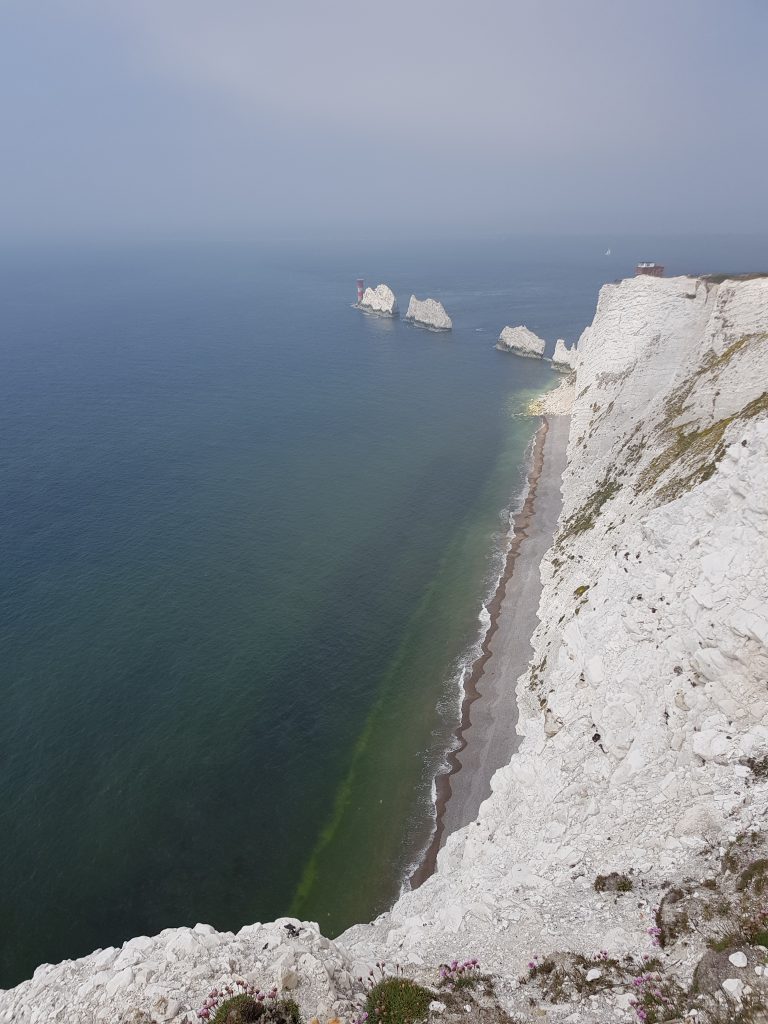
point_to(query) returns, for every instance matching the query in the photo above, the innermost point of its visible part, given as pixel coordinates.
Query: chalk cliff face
(521, 341)
(642, 716)
(380, 299)
(428, 313)
(647, 691)
(563, 358)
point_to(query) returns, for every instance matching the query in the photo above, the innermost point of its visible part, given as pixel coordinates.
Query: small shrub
(241, 1003)
(460, 974)
(242, 1008)
(397, 1001)
(614, 882)
(658, 998)
(753, 876)
(579, 591)
(729, 941)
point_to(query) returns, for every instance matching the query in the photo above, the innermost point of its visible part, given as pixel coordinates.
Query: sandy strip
(487, 737)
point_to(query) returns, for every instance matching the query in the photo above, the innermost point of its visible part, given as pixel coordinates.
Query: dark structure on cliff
(650, 269)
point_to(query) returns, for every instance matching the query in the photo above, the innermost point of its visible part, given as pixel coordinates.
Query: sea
(246, 537)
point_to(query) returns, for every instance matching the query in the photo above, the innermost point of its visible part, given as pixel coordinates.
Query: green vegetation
(720, 278)
(581, 590)
(397, 1001)
(614, 882)
(754, 876)
(584, 518)
(699, 450)
(244, 1009)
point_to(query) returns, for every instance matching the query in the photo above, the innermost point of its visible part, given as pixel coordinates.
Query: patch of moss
(581, 590)
(398, 1001)
(755, 877)
(614, 882)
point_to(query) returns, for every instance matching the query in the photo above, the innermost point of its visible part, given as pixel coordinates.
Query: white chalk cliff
(521, 341)
(564, 358)
(380, 299)
(428, 313)
(645, 699)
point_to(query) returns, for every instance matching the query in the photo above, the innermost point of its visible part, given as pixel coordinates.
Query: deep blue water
(244, 535)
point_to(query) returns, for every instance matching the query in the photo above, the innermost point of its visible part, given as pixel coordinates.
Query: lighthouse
(360, 289)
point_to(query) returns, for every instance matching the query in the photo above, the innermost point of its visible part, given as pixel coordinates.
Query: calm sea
(245, 535)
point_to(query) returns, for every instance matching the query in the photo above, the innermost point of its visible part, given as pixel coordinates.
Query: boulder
(521, 341)
(428, 313)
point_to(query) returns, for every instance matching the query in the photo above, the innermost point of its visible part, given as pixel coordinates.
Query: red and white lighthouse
(360, 289)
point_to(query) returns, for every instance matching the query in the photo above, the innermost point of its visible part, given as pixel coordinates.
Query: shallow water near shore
(246, 533)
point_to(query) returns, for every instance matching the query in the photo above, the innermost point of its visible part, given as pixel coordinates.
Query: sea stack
(428, 313)
(564, 358)
(380, 299)
(521, 341)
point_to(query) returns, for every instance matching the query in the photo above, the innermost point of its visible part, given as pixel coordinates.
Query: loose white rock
(734, 987)
(738, 959)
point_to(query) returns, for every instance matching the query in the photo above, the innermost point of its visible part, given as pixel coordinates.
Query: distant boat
(607, 252)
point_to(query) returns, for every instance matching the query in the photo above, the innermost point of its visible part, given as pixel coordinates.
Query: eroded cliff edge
(644, 714)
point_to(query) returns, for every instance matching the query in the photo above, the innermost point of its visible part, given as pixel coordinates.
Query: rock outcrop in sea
(623, 848)
(428, 313)
(521, 341)
(380, 299)
(564, 358)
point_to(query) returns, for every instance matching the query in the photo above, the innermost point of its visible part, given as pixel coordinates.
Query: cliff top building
(651, 269)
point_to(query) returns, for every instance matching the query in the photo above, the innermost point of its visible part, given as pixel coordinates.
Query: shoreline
(464, 785)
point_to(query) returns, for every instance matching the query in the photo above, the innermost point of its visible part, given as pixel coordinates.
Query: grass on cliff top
(398, 1001)
(720, 278)
(244, 1009)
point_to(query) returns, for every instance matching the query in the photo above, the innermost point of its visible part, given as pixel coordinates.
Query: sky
(143, 119)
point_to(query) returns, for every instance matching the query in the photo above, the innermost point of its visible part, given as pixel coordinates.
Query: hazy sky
(144, 118)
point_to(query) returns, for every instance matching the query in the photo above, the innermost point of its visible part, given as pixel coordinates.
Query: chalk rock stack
(428, 313)
(380, 299)
(521, 341)
(564, 358)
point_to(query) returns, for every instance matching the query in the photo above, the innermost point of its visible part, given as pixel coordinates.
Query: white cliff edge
(380, 299)
(641, 715)
(521, 341)
(428, 313)
(564, 358)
